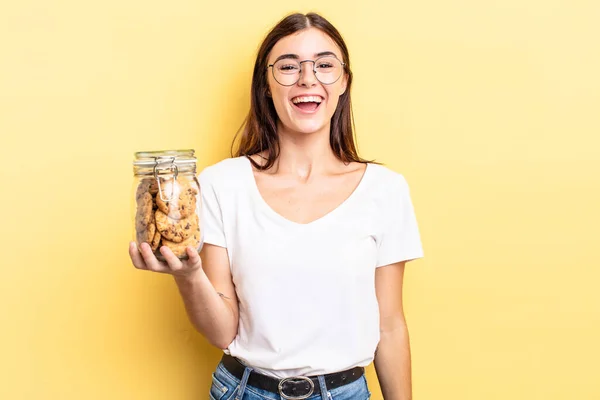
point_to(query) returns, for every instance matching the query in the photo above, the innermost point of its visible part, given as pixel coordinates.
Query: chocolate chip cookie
(144, 214)
(176, 230)
(179, 248)
(147, 233)
(177, 198)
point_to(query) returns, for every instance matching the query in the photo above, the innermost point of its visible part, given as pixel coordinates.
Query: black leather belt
(297, 387)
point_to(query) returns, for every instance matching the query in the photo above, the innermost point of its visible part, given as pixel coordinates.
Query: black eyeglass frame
(313, 68)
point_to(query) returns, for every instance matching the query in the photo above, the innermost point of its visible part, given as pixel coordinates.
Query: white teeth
(306, 99)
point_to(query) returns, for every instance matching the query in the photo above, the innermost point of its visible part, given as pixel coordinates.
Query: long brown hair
(259, 130)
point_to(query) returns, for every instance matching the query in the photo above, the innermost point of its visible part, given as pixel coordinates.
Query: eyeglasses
(327, 69)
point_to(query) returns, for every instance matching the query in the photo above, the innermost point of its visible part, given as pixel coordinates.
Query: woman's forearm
(207, 310)
(393, 364)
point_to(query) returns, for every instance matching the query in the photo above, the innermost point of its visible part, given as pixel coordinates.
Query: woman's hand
(145, 259)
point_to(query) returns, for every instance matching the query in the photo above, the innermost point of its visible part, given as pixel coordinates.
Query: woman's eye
(289, 67)
(324, 65)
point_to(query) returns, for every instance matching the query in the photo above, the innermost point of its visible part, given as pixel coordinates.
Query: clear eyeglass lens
(328, 70)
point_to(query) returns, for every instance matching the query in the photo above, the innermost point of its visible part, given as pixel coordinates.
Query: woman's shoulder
(226, 174)
(228, 168)
(386, 177)
(387, 188)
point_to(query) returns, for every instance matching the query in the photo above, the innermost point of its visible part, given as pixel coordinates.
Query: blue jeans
(227, 387)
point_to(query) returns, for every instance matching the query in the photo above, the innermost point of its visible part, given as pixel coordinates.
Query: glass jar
(166, 201)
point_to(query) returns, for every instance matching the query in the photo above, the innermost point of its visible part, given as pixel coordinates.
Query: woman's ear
(344, 84)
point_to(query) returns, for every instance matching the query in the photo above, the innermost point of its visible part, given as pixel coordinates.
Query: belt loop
(243, 383)
(323, 387)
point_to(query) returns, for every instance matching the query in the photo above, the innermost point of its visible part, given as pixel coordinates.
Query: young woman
(300, 277)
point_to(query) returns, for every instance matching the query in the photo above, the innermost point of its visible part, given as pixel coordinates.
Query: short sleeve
(212, 216)
(400, 239)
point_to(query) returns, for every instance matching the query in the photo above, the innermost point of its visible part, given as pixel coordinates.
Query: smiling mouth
(308, 107)
(308, 104)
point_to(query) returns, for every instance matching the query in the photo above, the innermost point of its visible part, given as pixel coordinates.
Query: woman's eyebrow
(325, 53)
(297, 57)
(293, 56)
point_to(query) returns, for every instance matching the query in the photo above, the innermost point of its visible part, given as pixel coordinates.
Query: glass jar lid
(162, 161)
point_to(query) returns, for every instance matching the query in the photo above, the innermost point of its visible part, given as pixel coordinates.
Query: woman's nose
(307, 75)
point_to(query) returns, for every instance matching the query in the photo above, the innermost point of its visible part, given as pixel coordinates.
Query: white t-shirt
(306, 292)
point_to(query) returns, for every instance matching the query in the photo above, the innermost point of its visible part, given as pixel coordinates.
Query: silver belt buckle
(304, 378)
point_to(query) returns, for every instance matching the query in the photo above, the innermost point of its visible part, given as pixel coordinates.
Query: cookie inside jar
(167, 204)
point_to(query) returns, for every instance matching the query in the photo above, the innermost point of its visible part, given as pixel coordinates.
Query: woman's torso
(306, 291)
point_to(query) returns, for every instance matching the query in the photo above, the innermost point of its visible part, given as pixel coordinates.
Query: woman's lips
(307, 108)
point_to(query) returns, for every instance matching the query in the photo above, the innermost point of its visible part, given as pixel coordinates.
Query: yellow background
(489, 108)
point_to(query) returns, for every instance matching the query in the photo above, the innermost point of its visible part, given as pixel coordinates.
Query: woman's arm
(210, 299)
(205, 284)
(392, 358)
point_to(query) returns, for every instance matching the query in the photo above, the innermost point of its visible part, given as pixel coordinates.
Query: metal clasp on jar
(165, 164)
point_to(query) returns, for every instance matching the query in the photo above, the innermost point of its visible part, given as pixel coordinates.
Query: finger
(193, 257)
(136, 257)
(150, 259)
(173, 261)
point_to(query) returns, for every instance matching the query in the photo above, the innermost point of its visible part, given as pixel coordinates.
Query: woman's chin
(308, 128)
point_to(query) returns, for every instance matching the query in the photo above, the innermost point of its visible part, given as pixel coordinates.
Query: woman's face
(297, 111)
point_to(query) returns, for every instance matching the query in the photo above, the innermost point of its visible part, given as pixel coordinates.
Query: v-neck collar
(255, 192)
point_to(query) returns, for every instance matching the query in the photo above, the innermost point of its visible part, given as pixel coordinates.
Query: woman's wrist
(190, 277)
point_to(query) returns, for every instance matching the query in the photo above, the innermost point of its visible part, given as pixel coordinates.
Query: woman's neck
(305, 154)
